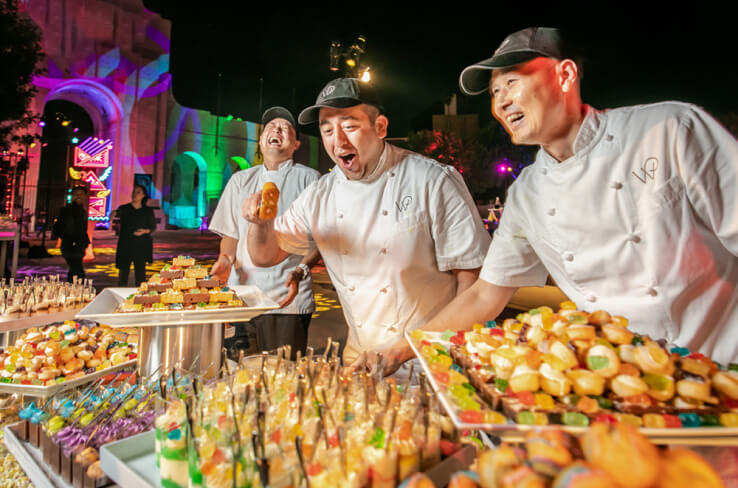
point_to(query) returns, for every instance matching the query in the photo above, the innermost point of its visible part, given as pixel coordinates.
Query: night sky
(416, 54)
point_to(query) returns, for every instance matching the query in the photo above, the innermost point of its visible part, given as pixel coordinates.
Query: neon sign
(91, 154)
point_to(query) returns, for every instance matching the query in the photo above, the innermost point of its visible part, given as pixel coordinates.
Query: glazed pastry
(269, 201)
(586, 382)
(726, 382)
(625, 385)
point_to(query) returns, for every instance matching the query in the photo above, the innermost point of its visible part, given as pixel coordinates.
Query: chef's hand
(293, 285)
(397, 354)
(222, 268)
(250, 209)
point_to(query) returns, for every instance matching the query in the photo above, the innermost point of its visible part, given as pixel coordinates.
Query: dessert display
(43, 294)
(269, 201)
(53, 354)
(278, 423)
(181, 285)
(572, 367)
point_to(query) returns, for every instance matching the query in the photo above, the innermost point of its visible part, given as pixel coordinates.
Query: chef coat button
(384, 212)
(358, 325)
(384, 250)
(351, 288)
(635, 239)
(392, 174)
(392, 328)
(591, 298)
(552, 211)
(544, 171)
(608, 137)
(569, 256)
(383, 290)
(340, 216)
(652, 291)
(617, 185)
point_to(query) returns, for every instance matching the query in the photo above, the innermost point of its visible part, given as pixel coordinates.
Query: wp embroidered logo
(647, 170)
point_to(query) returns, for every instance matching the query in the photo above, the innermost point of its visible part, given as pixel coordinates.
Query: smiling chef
(632, 210)
(398, 232)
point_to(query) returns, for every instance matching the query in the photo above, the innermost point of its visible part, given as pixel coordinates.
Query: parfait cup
(170, 442)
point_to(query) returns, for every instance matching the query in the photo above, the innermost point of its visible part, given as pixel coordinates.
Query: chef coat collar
(589, 134)
(283, 166)
(384, 163)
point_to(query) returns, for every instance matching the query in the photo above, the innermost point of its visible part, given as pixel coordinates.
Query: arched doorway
(188, 204)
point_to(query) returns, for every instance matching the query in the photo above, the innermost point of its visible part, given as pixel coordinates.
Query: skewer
(298, 448)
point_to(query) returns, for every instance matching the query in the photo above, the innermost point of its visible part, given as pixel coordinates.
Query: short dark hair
(144, 190)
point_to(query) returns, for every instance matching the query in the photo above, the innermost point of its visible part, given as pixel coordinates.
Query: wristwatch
(305, 270)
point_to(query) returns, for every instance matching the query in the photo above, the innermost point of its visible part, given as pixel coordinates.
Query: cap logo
(327, 91)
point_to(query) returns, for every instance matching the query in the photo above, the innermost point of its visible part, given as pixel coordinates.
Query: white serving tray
(47, 391)
(131, 462)
(102, 309)
(512, 432)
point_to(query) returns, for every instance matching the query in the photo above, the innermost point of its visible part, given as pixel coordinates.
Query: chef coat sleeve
(460, 239)
(708, 163)
(511, 260)
(224, 221)
(293, 228)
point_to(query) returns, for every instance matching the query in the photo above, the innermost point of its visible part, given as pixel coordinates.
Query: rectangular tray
(102, 309)
(131, 461)
(512, 432)
(47, 391)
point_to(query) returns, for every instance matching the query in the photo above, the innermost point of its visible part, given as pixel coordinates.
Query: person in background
(134, 240)
(71, 228)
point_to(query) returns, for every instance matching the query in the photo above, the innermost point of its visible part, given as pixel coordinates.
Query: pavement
(327, 320)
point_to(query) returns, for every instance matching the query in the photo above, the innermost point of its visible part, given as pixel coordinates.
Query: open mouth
(514, 119)
(347, 159)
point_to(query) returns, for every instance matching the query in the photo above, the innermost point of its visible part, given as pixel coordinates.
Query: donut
(524, 378)
(586, 382)
(93, 363)
(83, 332)
(52, 348)
(269, 201)
(695, 366)
(35, 363)
(624, 385)
(617, 334)
(664, 392)
(599, 317)
(682, 468)
(87, 456)
(603, 361)
(652, 359)
(623, 452)
(699, 390)
(726, 382)
(34, 337)
(50, 330)
(51, 361)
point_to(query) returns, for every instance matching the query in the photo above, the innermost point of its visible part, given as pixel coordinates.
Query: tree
(20, 58)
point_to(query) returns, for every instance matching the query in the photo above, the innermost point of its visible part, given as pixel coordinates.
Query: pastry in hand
(269, 201)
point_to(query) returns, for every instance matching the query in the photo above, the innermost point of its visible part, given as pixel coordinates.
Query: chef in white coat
(632, 210)
(398, 232)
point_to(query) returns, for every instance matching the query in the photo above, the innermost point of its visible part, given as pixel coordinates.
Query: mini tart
(586, 382)
(617, 334)
(625, 385)
(603, 361)
(726, 382)
(554, 382)
(652, 359)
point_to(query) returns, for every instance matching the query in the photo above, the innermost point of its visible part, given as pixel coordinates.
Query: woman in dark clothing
(134, 241)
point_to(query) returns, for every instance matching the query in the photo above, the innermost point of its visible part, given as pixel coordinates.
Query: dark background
(416, 53)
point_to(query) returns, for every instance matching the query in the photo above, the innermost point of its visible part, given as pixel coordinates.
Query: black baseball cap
(279, 113)
(517, 48)
(341, 93)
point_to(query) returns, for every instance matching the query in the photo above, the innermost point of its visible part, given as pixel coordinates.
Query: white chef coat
(642, 221)
(389, 242)
(291, 179)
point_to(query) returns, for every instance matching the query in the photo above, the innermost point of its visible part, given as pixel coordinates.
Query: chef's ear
(567, 75)
(381, 125)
